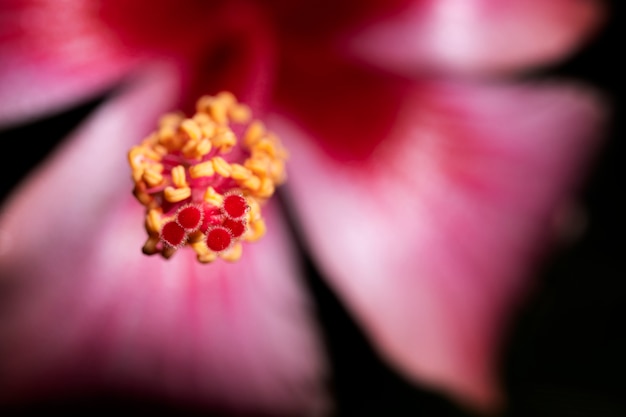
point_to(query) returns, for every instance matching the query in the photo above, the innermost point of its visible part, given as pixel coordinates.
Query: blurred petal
(432, 240)
(477, 36)
(54, 54)
(347, 108)
(85, 311)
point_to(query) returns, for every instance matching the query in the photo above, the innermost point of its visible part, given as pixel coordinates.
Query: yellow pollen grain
(189, 148)
(218, 112)
(254, 133)
(221, 166)
(153, 221)
(171, 120)
(233, 254)
(178, 177)
(203, 169)
(277, 171)
(255, 209)
(252, 183)
(224, 140)
(207, 258)
(266, 189)
(240, 113)
(213, 197)
(191, 128)
(239, 172)
(208, 130)
(137, 174)
(152, 154)
(256, 231)
(258, 164)
(203, 148)
(226, 98)
(202, 119)
(135, 157)
(174, 195)
(265, 145)
(160, 149)
(152, 177)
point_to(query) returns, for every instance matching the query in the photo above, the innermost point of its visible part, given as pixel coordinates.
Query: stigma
(204, 179)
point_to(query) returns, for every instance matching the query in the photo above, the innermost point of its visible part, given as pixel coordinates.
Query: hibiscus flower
(425, 180)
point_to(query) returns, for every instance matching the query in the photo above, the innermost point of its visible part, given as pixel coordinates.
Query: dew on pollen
(203, 179)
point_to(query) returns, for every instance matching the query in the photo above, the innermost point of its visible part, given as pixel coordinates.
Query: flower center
(201, 185)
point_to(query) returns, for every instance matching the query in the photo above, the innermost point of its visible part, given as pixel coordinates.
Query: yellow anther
(214, 107)
(225, 140)
(135, 157)
(203, 169)
(266, 189)
(169, 139)
(208, 130)
(150, 247)
(191, 128)
(189, 149)
(277, 171)
(150, 153)
(265, 145)
(137, 174)
(174, 195)
(171, 120)
(259, 165)
(178, 177)
(226, 98)
(207, 258)
(233, 254)
(221, 166)
(213, 197)
(255, 210)
(240, 113)
(253, 183)
(255, 231)
(239, 172)
(203, 148)
(255, 131)
(160, 149)
(199, 247)
(152, 177)
(202, 119)
(153, 221)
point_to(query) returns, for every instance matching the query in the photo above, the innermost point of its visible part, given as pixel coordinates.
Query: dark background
(566, 354)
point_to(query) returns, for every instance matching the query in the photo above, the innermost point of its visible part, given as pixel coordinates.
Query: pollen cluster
(203, 179)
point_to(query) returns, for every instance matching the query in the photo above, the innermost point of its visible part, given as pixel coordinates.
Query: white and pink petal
(476, 37)
(432, 241)
(87, 312)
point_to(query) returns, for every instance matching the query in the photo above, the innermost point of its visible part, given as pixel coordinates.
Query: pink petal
(432, 241)
(86, 311)
(477, 36)
(53, 55)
